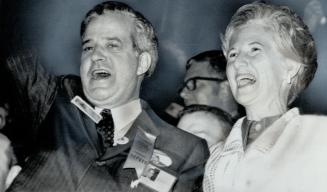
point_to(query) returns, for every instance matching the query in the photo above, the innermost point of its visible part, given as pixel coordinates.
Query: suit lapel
(90, 132)
(145, 123)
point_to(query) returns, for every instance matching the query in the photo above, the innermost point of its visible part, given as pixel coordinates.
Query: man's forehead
(199, 69)
(110, 20)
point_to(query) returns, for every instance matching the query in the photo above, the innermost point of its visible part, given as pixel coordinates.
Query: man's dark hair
(144, 38)
(215, 58)
(220, 114)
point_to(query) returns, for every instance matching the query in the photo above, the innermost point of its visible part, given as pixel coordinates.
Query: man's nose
(97, 55)
(183, 92)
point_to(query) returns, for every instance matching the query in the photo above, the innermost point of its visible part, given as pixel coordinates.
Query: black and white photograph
(211, 95)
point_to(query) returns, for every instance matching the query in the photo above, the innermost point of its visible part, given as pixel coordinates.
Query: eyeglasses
(190, 84)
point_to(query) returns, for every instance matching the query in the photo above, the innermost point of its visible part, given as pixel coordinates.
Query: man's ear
(144, 63)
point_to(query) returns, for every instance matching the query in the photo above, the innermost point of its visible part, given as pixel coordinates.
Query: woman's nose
(241, 60)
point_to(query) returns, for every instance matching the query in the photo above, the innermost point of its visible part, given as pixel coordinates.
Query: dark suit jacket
(67, 154)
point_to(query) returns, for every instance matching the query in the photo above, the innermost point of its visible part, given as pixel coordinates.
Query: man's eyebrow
(113, 39)
(85, 41)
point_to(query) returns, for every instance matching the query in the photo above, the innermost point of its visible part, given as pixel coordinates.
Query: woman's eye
(253, 49)
(232, 55)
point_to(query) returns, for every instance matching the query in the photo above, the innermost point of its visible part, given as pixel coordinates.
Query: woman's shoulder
(314, 119)
(313, 123)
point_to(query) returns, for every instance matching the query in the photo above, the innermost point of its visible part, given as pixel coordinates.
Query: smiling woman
(271, 58)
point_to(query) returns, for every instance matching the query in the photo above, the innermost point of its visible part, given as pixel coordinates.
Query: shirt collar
(265, 141)
(262, 125)
(269, 137)
(124, 115)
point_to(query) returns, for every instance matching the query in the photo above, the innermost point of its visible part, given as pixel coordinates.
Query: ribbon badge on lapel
(141, 151)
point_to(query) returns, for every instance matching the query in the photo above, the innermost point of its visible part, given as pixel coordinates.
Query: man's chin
(98, 98)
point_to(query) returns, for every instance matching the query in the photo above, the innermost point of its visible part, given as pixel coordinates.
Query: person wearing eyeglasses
(210, 109)
(205, 83)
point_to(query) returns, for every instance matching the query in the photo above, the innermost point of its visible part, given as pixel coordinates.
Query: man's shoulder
(71, 84)
(168, 129)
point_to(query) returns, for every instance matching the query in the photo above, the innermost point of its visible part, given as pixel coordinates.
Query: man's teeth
(103, 74)
(100, 74)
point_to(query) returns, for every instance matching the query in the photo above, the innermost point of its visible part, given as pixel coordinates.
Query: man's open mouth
(100, 74)
(245, 79)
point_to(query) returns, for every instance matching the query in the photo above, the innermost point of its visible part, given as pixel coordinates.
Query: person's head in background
(209, 123)
(205, 82)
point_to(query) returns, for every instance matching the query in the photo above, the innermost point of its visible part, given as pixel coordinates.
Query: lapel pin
(122, 141)
(161, 159)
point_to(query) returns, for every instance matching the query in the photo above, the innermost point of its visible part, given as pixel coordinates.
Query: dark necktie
(106, 129)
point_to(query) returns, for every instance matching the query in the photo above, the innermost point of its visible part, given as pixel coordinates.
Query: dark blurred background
(184, 28)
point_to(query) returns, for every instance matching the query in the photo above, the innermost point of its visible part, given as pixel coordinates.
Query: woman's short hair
(144, 38)
(292, 34)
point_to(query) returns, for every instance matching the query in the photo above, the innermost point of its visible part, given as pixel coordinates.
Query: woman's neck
(260, 111)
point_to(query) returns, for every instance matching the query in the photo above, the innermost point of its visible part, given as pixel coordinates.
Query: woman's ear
(293, 68)
(144, 63)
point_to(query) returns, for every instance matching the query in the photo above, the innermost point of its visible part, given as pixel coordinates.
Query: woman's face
(256, 67)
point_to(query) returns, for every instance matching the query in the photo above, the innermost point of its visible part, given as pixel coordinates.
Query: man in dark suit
(94, 133)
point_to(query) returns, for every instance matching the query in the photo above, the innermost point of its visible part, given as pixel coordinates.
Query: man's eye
(191, 84)
(88, 48)
(112, 45)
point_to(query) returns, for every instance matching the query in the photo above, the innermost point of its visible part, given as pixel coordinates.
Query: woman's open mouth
(245, 79)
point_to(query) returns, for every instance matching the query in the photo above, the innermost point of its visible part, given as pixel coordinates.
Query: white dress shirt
(123, 117)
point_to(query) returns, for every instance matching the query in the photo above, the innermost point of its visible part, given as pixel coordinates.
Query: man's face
(206, 91)
(204, 125)
(255, 66)
(109, 62)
